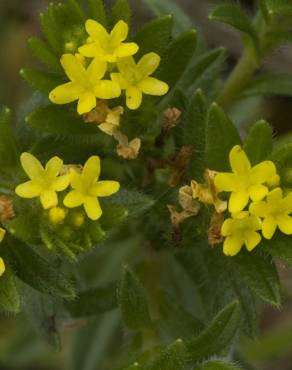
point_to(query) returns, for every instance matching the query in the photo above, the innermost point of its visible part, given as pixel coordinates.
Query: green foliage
(97, 11)
(234, 16)
(35, 271)
(9, 296)
(42, 81)
(155, 36)
(8, 147)
(217, 151)
(121, 11)
(218, 365)
(259, 142)
(44, 54)
(132, 301)
(217, 336)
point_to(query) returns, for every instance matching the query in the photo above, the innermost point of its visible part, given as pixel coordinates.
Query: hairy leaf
(97, 11)
(121, 11)
(44, 54)
(217, 365)
(9, 296)
(9, 154)
(259, 142)
(40, 80)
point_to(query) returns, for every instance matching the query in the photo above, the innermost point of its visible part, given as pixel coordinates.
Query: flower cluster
(46, 182)
(104, 67)
(256, 203)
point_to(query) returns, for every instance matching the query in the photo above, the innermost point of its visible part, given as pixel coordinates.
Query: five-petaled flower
(239, 230)
(246, 181)
(87, 189)
(108, 47)
(85, 84)
(275, 212)
(44, 182)
(136, 80)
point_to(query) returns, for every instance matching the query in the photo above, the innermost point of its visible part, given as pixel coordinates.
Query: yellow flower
(275, 213)
(245, 182)
(85, 84)
(105, 46)
(136, 80)
(239, 230)
(44, 182)
(87, 188)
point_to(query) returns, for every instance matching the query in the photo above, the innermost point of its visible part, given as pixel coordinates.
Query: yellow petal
(239, 161)
(259, 209)
(49, 199)
(87, 101)
(257, 192)
(226, 182)
(227, 227)
(263, 172)
(275, 195)
(152, 86)
(2, 267)
(31, 166)
(106, 89)
(120, 80)
(91, 170)
(73, 199)
(285, 224)
(29, 189)
(127, 67)
(73, 67)
(93, 50)
(96, 70)
(53, 167)
(65, 94)
(62, 182)
(232, 245)
(269, 227)
(287, 203)
(134, 97)
(97, 31)
(127, 49)
(105, 188)
(148, 63)
(252, 239)
(2, 233)
(119, 33)
(92, 208)
(237, 201)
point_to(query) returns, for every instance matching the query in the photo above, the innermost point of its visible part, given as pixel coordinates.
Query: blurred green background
(20, 348)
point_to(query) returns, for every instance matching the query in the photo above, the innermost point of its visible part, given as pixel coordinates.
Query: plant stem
(238, 79)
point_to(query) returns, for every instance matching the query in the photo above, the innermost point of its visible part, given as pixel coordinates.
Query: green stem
(240, 76)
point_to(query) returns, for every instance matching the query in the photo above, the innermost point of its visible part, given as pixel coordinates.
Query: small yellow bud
(70, 47)
(77, 219)
(2, 234)
(57, 215)
(2, 267)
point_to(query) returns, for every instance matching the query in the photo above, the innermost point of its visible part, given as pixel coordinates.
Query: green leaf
(21, 228)
(172, 358)
(154, 36)
(112, 216)
(60, 120)
(234, 16)
(269, 84)
(217, 336)
(182, 21)
(279, 247)
(93, 301)
(121, 11)
(134, 201)
(221, 136)
(282, 154)
(35, 271)
(260, 274)
(262, 4)
(97, 11)
(50, 29)
(40, 80)
(194, 131)
(279, 7)
(259, 142)
(203, 72)
(75, 10)
(9, 296)
(44, 54)
(180, 50)
(217, 365)
(133, 301)
(9, 154)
